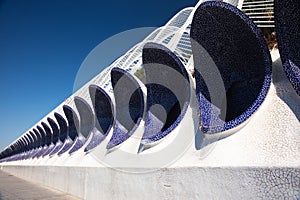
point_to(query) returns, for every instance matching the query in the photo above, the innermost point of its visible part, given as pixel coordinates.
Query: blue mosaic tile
(103, 108)
(97, 138)
(36, 138)
(79, 142)
(73, 122)
(287, 27)
(86, 116)
(120, 134)
(56, 149)
(48, 139)
(30, 142)
(42, 145)
(26, 155)
(55, 130)
(41, 152)
(55, 135)
(129, 106)
(86, 123)
(104, 115)
(49, 149)
(43, 136)
(238, 49)
(67, 145)
(63, 127)
(62, 134)
(160, 64)
(31, 153)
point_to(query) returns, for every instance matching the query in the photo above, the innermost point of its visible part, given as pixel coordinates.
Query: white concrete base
(261, 159)
(168, 183)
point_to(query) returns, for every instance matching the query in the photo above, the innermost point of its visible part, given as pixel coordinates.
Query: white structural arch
(260, 160)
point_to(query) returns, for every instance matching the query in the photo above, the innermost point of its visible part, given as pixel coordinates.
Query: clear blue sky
(44, 42)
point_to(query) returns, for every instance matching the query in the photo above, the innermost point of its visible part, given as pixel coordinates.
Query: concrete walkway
(14, 188)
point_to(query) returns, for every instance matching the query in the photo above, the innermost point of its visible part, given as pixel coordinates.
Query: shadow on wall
(284, 89)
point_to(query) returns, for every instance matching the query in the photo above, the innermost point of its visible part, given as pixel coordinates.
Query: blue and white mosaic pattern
(242, 59)
(129, 106)
(173, 100)
(287, 27)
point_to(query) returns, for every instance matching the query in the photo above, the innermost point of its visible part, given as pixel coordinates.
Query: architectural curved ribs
(86, 123)
(20, 145)
(287, 27)
(168, 92)
(35, 139)
(30, 145)
(26, 146)
(104, 117)
(55, 136)
(49, 135)
(129, 106)
(63, 133)
(34, 144)
(44, 141)
(73, 123)
(39, 138)
(55, 130)
(28, 140)
(39, 142)
(227, 44)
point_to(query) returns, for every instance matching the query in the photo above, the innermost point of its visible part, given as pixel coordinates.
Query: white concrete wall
(259, 160)
(168, 183)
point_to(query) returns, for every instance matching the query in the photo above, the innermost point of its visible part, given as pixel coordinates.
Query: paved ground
(13, 188)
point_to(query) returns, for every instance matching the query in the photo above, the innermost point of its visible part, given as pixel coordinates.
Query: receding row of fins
(232, 70)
